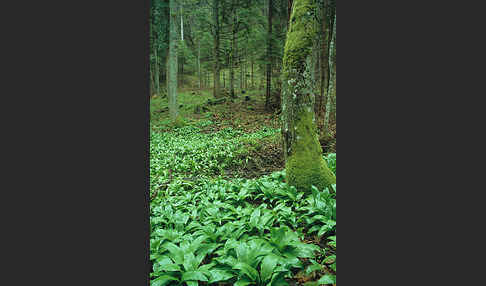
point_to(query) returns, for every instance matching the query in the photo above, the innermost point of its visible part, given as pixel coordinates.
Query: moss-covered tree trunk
(172, 64)
(304, 163)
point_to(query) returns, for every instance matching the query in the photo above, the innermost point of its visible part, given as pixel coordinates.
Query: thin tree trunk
(182, 71)
(246, 68)
(315, 72)
(331, 83)
(241, 74)
(232, 57)
(334, 82)
(269, 57)
(217, 83)
(152, 82)
(304, 164)
(252, 82)
(289, 12)
(199, 63)
(172, 64)
(157, 76)
(182, 27)
(181, 54)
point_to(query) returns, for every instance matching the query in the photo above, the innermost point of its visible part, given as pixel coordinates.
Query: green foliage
(206, 230)
(331, 161)
(246, 243)
(187, 150)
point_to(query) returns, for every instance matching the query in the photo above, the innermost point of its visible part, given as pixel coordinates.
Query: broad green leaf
(246, 269)
(219, 275)
(278, 279)
(162, 280)
(313, 267)
(243, 282)
(314, 229)
(267, 266)
(194, 275)
(255, 217)
(207, 248)
(190, 262)
(242, 252)
(327, 279)
(170, 267)
(175, 252)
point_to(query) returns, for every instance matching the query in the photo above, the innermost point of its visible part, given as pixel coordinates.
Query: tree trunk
(217, 78)
(241, 72)
(234, 55)
(182, 71)
(269, 57)
(232, 58)
(182, 54)
(157, 75)
(315, 73)
(152, 82)
(330, 90)
(289, 12)
(304, 163)
(172, 64)
(199, 63)
(244, 70)
(252, 82)
(324, 60)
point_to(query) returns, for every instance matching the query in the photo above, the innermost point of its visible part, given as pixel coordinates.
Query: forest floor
(220, 181)
(245, 115)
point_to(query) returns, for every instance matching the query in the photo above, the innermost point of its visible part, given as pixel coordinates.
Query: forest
(242, 142)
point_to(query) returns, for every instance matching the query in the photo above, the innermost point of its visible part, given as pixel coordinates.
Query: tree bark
(252, 82)
(269, 57)
(241, 73)
(232, 57)
(304, 163)
(217, 67)
(289, 12)
(157, 75)
(330, 90)
(199, 63)
(172, 64)
(324, 60)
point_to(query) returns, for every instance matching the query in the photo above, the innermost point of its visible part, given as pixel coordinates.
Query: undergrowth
(208, 230)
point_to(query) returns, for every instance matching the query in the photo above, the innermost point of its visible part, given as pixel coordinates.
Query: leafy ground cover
(211, 228)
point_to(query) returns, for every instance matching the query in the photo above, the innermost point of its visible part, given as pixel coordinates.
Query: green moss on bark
(300, 37)
(305, 166)
(179, 122)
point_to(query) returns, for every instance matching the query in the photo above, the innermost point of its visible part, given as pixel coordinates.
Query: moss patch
(301, 34)
(179, 122)
(305, 166)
